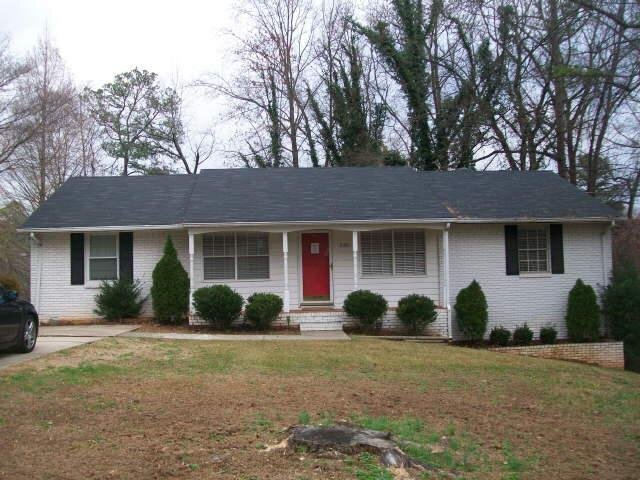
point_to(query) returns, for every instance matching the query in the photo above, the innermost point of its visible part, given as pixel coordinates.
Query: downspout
(603, 235)
(35, 241)
(445, 252)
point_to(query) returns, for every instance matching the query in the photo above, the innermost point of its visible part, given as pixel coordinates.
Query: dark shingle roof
(325, 194)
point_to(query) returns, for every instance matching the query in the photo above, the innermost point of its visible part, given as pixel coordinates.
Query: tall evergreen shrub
(471, 312)
(583, 313)
(621, 305)
(170, 289)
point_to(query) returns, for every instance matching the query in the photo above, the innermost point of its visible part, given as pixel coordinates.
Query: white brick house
(525, 236)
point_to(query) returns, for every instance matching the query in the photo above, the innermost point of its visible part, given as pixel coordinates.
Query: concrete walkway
(329, 335)
(54, 339)
(100, 331)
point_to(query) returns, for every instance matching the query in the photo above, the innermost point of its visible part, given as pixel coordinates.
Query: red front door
(315, 267)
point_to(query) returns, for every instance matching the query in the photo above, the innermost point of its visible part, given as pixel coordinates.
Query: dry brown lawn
(151, 409)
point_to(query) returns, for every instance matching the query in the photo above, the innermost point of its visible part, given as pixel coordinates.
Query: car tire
(28, 335)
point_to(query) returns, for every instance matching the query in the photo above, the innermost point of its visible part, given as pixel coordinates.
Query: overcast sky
(182, 38)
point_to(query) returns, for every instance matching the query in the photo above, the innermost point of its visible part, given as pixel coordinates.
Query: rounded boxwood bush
(119, 299)
(365, 306)
(471, 312)
(499, 336)
(522, 335)
(583, 314)
(219, 305)
(416, 312)
(262, 309)
(170, 288)
(548, 335)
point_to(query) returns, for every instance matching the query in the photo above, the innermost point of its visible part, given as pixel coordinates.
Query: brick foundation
(603, 354)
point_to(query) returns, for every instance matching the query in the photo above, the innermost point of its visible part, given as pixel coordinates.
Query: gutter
(424, 221)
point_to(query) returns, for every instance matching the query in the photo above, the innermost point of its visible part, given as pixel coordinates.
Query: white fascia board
(100, 228)
(284, 226)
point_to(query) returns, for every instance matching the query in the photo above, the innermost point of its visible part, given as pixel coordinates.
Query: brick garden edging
(603, 354)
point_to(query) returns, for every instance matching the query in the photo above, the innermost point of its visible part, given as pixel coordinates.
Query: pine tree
(170, 289)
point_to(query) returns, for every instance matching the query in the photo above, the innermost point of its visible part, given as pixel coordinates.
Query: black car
(18, 322)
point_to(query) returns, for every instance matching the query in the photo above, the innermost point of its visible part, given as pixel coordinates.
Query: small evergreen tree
(471, 312)
(583, 314)
(119, 299)
(170, 289)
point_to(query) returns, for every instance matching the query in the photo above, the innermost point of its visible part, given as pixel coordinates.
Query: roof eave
(316, 222)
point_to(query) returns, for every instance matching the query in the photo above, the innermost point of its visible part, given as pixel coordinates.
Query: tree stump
(350, 439)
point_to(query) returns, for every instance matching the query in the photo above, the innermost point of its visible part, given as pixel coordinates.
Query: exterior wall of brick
(478, 252)
(57, 300)
(603, 354)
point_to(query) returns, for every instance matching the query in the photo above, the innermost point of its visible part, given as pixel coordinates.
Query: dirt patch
(165, 409)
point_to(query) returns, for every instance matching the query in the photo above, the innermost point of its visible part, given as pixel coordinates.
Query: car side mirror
(10, 295)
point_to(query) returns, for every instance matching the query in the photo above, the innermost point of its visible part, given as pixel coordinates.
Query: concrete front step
(320, 325)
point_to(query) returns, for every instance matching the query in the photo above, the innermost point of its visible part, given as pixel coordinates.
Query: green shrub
(119, 299)
(471, 312)
(416, 312)
(522, 335)
(583, 314)
(262, 309)
(548, 335)
(170, 289)
(367, 307)
(621, 306)
(219, 305)
(499, 336)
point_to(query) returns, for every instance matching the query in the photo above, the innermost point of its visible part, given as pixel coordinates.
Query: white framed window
(102, 257)
(235, 256)
(533, 249)
(392, 252)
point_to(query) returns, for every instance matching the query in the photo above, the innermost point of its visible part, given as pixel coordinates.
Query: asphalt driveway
(54, 339)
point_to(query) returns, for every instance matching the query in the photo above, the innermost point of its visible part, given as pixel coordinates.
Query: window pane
(377, 254)
(103, 269)
(219, 268)
(253, 267)
(253, 244)
(102, 246)
(377, 264)
(409, 252)
(218, 245)
(532, 250)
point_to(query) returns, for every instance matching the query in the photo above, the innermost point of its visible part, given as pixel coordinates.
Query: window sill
(233, 280)
(536, 275)
(366, 277)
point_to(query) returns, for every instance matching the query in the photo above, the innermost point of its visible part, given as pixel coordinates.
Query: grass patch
(304, 418)
(530, 417)
(443, 450)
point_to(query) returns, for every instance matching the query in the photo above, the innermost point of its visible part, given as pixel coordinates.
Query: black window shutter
(511, 249)
(557, 250)
(126, 256)
(76, 241)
